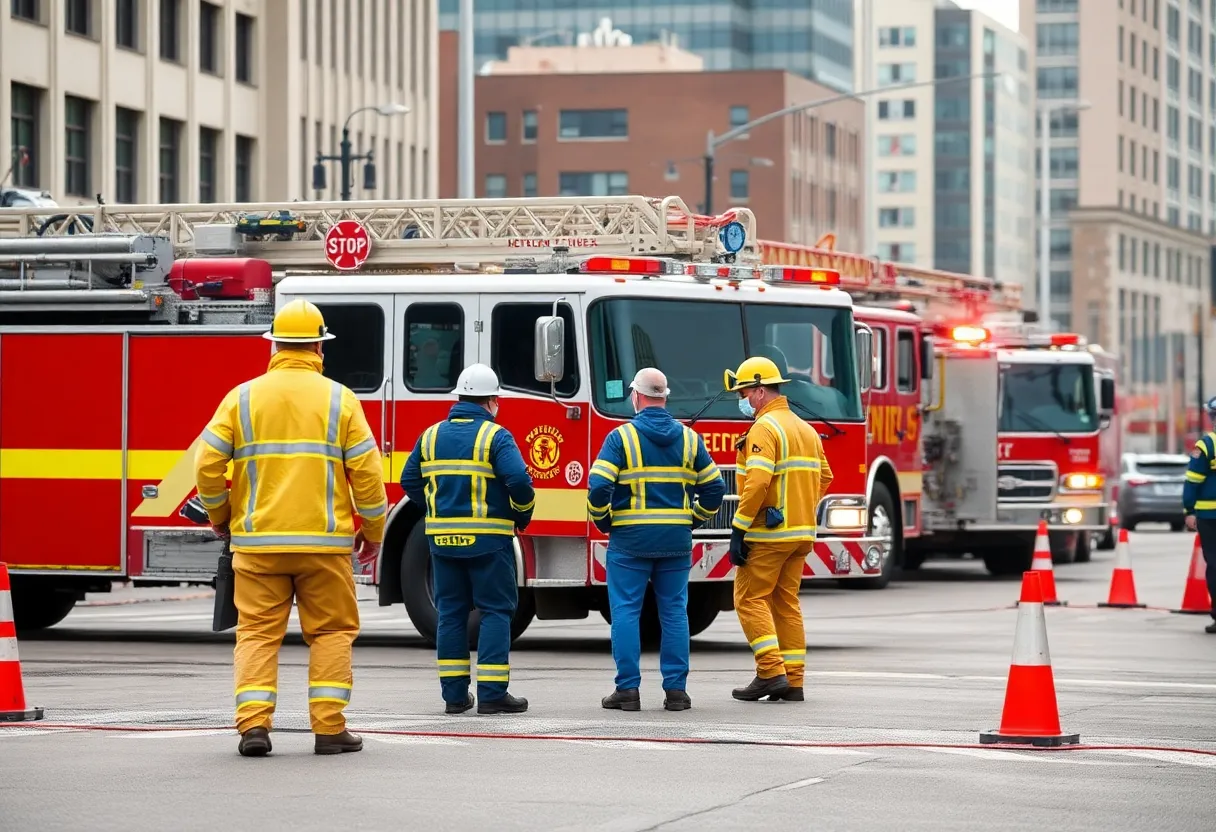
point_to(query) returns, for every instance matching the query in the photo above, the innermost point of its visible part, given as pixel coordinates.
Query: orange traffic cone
(1041, 563)
(1030, 716)
(12, 693)
(1122, 581)
(1195, 598)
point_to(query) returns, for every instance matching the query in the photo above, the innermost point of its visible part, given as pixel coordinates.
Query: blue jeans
(486, 582)
(627, 580)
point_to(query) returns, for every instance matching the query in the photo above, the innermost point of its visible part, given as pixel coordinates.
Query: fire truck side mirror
(926, 358)
(1106, 395)
(864, 337)
(550, 341)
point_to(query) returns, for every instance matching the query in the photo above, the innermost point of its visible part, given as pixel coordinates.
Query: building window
(244, 169)
(897, 252)
(496, 127)
(897, 145)
(27, 10)
(170, 32)
(897, 110)
(78, 146)
(614, 183)
(904, 73)
(126, 154)
(896, 217)
(244, 48)
(529, 184)
(78, 17)
(27, 107)
(529, 126)
(739, 116)
(1058, 82)
(896, 181)
(593, 124)
(496, 186)
(208, 149)
(209, 38)
(897, 36)
(126, 24)
(170, 159)
(740, 184)
(1062, 39)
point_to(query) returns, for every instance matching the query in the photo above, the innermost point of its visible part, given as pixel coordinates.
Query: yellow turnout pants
(323, 587)
(766, 600)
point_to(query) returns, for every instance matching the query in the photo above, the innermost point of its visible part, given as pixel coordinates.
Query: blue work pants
(627, 580)
(487, 583)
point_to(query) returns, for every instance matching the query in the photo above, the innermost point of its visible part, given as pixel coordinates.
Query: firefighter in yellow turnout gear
(299, 445)
(782, 474)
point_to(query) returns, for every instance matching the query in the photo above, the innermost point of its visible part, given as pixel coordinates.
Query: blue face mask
(745, 407)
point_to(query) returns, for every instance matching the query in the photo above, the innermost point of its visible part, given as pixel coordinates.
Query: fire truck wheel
(36, 607)
(1013, 559)
(882, 524)
(416, 589)
(1063, 546)
(1105, 542)
(1085, 546)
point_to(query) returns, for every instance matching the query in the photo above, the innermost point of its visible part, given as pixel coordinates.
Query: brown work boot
(338, 743)
(254, 743)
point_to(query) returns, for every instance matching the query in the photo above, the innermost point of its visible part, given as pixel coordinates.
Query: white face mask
(494, 410)
(633, 400)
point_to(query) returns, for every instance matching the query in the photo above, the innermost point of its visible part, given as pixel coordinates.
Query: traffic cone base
(13, 707)
(1031, 715)
(1195, 598)
(1122, 579)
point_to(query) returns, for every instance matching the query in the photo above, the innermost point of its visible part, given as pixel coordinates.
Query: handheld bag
(223, 615)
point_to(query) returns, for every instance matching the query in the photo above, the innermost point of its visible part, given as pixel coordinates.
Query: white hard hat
(477, 380)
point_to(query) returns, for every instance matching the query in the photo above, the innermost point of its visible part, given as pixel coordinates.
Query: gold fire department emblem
(544, 451)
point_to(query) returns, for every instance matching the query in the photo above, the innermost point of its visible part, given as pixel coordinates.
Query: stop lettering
(347, 245)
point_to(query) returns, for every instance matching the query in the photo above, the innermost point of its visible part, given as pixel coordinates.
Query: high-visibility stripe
(264, 541)
(355, 451)
(453, 668)
(6, 606)
(373, 512)
(251, 466)
(469, 525)
(1030, 637)
(708, 474)
(658, 515)
(329, 692)
(605, 469)
(219, 444)
(788, 533)
(457, 468)
(333, 424)
(528, 506)
(647, 474)
(765, 644)
(8, 649)
(254, 450)
(213, 502)
(493, 673)
(1195, 476)
(794, 657)
(760, 463)
(251, 695)
(703, 513)
(1204, 505)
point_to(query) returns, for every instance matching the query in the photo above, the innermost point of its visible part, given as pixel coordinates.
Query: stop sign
(347, 245)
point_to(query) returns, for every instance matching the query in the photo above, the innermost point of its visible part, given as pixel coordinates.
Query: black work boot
(676, 700)
(507, 705)
(254, 743)
(343, 743)
(760, 688)
(788, 695)
(628, 699)
(1211, 628)
(459, 707)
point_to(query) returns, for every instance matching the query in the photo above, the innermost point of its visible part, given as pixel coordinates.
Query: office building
(1131, 87)
(595, 121)
(812, 38)
(952, 162)
(230, 100)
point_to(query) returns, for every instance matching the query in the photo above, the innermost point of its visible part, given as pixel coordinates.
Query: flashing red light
(1065, 339)
(622, 265)
(969, 334)
(802, 274)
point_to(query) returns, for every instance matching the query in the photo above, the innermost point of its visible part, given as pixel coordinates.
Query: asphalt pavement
(137, 694)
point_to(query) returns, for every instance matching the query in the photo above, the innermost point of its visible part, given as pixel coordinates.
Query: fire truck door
(960, 442)
(551, 429)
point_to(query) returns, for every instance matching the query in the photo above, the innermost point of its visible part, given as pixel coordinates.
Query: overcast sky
(1003, 11)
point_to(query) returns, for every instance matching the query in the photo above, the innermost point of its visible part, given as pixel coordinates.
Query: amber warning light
(624, 265)
(969, 334)
(799, 274)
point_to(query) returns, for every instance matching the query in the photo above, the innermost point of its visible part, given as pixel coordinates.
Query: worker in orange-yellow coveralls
(299, 445)
(782, 474)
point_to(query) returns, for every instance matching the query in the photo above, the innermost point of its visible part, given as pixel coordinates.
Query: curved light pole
(712, 142)
(346, 157)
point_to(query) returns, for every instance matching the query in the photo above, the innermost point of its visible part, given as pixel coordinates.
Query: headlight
(1082, 482)
(1072, 516)
(846, 517)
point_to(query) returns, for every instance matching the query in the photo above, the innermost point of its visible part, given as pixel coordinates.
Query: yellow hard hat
(756, 371)
(299, 322)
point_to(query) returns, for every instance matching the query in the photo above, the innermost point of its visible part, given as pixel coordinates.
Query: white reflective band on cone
(6, 606)
(8, 649)
(1041, 563)
(1030, 637)
(1123, 556)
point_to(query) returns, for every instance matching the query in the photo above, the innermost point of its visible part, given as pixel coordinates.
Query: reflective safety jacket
(1199, 490)
(299, 445)
(469, 474)
(652, 479)
(781, 465)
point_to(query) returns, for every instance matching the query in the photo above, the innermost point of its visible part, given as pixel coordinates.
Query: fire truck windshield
(1047, 398)
(692, 342)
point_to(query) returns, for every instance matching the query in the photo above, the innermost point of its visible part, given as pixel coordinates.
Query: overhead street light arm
(346, 155)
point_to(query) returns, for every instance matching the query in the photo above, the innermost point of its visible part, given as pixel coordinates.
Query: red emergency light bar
(1065, 339)
(624, 265)
(969, 334)
(801, 274)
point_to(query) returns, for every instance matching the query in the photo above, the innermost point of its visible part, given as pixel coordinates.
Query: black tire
(1063, 547)
(1009, 560)
(1128, 523)
(913, 559)
(37, 607)
(1085, 544)
(882, 505)
(420, 603)
(1106, 541)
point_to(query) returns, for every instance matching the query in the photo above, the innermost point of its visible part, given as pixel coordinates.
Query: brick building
(589, 121)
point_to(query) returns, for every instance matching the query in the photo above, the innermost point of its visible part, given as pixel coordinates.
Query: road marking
(1177, 757)
(858, 674)
(1004, 755)
(801, 784)
(399, 740)
(163, 735)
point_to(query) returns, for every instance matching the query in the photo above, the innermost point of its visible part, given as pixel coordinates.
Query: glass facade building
(812, 38)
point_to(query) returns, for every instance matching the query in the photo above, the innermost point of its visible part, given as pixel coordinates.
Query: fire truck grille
(1026, 482)
(720, 522)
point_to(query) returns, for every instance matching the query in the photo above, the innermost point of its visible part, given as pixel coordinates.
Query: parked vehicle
(1150, 489)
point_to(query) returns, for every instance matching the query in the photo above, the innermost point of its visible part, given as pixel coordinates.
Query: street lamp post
(346, 155)
(712, 142)
(1045, 109)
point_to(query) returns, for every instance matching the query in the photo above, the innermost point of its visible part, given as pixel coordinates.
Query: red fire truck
(121, 327)
(973, 441)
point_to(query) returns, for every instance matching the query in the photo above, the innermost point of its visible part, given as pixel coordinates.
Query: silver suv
(1150, 489)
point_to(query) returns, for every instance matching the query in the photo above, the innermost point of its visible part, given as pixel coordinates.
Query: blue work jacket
(1199, 490)
(468, 473)
(651, 483)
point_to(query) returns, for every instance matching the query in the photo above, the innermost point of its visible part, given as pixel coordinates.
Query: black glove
(738, 549)
(522, 519)
(605, 525)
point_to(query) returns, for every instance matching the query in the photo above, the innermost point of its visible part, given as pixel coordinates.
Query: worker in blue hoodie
(651, 485)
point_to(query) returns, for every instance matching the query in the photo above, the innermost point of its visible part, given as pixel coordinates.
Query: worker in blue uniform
(1199, 502)
(468, 473)
(651, 485)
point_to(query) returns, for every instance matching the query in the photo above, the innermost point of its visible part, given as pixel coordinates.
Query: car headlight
(1082, 482)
